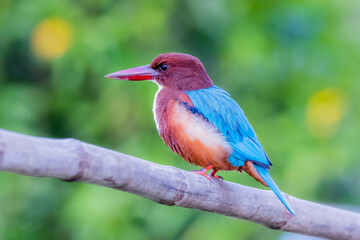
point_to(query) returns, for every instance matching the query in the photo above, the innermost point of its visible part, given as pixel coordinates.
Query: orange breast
(197, 140)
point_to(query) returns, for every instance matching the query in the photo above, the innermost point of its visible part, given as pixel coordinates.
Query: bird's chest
(189, 134)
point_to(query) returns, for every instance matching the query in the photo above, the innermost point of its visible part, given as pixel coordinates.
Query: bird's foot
(217, 177)
(212, 175)
(203, 172)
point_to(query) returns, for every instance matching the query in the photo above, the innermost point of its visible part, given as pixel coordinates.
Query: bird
(200, 121)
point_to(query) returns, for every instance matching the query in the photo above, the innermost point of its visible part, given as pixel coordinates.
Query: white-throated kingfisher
(200, 121)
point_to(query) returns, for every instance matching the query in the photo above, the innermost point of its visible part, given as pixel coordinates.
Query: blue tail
(272, 185)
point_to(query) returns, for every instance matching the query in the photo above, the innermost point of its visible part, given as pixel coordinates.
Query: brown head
(176, 71)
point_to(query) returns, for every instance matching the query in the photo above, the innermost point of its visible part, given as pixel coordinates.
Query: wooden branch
(73, 160)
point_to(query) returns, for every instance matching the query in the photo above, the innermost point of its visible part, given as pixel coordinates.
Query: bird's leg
(203, 171)
(212, 175)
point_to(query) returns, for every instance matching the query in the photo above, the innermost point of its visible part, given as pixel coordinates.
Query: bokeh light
(51, 38)
(324, 110)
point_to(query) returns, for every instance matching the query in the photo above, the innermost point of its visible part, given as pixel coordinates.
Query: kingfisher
(200, 121)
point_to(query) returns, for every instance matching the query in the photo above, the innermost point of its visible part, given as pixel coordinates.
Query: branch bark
(73, 160)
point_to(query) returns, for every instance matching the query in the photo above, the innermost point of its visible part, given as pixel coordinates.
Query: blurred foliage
(292, 65)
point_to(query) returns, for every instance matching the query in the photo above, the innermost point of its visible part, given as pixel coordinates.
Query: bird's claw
(216, 177)
(209, 176)
(202, 173)
(212, 175)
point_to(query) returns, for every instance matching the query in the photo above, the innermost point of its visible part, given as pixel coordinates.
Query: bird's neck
(192, 82)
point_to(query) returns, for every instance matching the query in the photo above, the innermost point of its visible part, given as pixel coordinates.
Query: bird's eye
(163, 67)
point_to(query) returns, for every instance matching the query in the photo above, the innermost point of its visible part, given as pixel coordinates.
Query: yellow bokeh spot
(51, 38)
(324, 110)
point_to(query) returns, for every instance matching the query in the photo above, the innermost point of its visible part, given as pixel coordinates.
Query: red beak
(135, 74)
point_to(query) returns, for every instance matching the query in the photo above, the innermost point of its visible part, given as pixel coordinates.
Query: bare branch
(73, 160)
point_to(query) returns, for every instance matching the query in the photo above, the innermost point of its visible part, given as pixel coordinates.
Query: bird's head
(176, 71)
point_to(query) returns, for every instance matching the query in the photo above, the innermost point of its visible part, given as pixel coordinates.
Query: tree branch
(73, 160)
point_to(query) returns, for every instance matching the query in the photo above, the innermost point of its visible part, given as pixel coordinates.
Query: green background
(273, 57)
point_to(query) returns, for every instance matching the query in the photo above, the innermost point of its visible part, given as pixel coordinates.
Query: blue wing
(216, 105)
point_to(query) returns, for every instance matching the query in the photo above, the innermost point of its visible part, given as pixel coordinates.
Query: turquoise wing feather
(216, 105)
